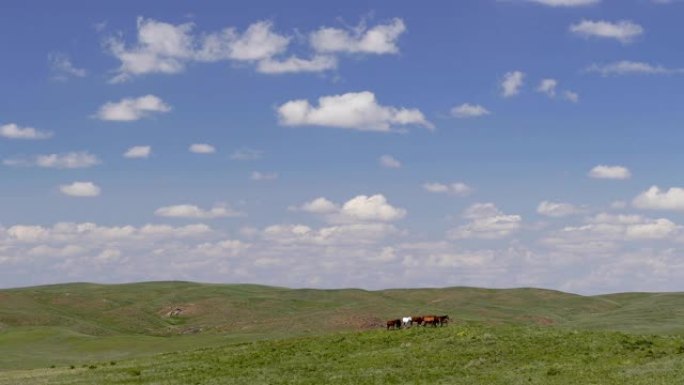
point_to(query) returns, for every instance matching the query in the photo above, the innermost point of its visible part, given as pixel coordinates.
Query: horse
(430, 320)
(406, 321)
(418, 319)
(394, 324)
(443, 320)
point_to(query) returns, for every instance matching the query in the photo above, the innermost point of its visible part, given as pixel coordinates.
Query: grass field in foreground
(77, 324)
(471, 353)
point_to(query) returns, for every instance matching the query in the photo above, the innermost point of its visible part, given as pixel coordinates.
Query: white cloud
(610, 172)
(571, 96)
(370, 208)
(319, 206)
(246, 154)
(138, 152)
(557, 209)
(168, 49)
(467, 110)
(624, 31)
(605, 232)
(657, 199)
(13, 131)
(263, 176)
(486, 222)
(80, 189)
(626, 67)
(346, 234)
(161, 48)
(294, 64)
(566, 3)
(354, 110)
(82, 159)
(380, 39)
(258, 42)
(62, 68)
(456, 188)
(130, 109)
(548, 87)
(388, 161)
(202, 148)
(361, 208)
(229, 247)
(192, 211)
(511, 83)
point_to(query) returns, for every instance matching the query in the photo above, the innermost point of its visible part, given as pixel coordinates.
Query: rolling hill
(72, 323)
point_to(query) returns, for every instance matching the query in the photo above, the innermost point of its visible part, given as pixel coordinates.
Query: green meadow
(235, 334)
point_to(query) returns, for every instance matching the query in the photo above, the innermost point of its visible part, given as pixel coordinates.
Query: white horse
(406, 321)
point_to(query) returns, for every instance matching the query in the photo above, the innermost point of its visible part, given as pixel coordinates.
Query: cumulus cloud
(202, 148)
(256, 43)
(246, 154)
(380, 39)
(345, 234)
(627, 67)
(62, 68)
(258, 176)
(388, 161)
(354, 110)
(295, 64)
(319, 206)
(370, 208)
(89, 233)
(456, 188)
(195, 212)
(486, 222)
(571, 96)
(467, 110)
(657, 199)
(361, 208)
(161, 48)
(624, 31)
(566, 3)
(511, 83)
(13, 131)
(80, 189)
(131, 109)
(138, 152)
(605, 232)
(80, 159)
(548, 87)
(168, 48)
(557, 209)
(610, 172)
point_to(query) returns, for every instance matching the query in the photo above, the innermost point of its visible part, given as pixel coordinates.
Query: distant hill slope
(144, 308)
(72, 319)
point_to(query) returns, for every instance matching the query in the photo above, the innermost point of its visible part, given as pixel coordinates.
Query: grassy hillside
(468, 353)
(65, 324)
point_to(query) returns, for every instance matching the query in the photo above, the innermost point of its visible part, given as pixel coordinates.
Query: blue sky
(480, 143)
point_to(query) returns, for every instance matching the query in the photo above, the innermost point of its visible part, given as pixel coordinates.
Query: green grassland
(465, 353)
(122, 334)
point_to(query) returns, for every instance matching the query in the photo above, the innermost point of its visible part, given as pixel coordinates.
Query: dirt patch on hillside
(180, 310)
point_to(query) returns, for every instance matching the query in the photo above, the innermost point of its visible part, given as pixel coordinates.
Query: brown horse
(443, 320)
(430, 320)
(418, 319)
(394, 324)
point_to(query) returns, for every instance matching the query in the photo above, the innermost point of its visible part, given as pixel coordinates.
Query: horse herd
(423, 320)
